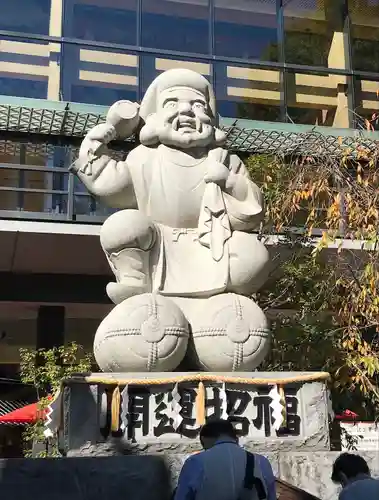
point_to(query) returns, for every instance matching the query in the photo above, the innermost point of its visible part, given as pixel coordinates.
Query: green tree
(45, 369)
(326, 301)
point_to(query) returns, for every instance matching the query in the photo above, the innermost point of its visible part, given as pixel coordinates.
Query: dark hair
(350, 465)
(217, 427)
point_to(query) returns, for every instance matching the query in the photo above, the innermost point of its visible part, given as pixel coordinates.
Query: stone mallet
(123, 120)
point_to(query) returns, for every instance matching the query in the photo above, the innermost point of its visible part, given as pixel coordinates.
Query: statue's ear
(150, 118)
(148, 135)
(220, 137)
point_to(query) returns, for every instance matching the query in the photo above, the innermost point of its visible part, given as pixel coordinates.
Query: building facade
(280, 65)
(312, 62)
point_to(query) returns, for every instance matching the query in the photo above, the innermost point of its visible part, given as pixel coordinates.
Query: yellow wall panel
(24, 69)
(95, 76)
(165, 64)
(24, 48)
(259, 75)
(256, 94)
(56, 11)
(117, 59)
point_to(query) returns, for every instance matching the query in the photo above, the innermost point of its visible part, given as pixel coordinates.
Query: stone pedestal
(150, 477)
(148, 428)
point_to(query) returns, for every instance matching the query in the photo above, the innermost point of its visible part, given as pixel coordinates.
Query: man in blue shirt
(224, 471)
(353, 474)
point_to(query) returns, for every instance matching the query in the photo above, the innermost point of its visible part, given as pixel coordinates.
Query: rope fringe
(284, 404)
(115, 410)
(201, 377)
(200, 404)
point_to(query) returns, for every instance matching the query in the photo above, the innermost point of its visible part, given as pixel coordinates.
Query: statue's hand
(97, 138)
(217, 173)
(104, 133)
(93, 146)
(124, 116)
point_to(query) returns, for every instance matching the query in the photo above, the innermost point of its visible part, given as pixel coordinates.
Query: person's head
(215, 430)
(347, 467)
(179, 109)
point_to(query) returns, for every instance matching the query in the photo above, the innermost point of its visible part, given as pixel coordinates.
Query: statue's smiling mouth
(184, 123)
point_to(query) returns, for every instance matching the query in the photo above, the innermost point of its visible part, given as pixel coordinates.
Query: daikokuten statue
(181, 246)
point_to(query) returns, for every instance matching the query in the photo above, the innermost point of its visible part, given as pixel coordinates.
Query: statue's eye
(170, 104)
(198, 105)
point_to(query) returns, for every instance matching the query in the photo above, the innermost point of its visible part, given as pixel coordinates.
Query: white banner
(124, 408)
(224, 403)
(53, 416)
(176, 408)
(277, 407)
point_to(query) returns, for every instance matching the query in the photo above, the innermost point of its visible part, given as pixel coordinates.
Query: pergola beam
(49, 120)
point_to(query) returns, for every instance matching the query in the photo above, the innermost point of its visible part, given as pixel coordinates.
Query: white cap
(178, 77)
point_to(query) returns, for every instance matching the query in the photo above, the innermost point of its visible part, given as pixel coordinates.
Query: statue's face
(183, 118)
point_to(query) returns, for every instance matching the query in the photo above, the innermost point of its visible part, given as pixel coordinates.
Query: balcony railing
(46, 193)
(53, 194)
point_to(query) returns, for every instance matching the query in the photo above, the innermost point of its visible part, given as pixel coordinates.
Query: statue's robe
(195, 220)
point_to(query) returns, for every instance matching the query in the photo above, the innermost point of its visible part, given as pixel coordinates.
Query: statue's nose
(185, 108)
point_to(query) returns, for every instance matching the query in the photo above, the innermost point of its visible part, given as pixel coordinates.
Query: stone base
(148, 430)
(153, 477)
(308, 471)
(134, 478)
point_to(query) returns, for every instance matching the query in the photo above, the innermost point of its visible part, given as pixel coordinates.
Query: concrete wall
(146, 477)
(132, 478)
(309, 471)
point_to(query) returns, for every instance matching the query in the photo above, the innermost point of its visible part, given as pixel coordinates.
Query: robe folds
(195, 220)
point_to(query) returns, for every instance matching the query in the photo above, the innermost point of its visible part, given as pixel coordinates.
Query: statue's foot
(144, 333)
(118, 292)
(230, 333)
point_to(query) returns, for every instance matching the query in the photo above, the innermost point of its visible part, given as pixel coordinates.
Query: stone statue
(181, 247)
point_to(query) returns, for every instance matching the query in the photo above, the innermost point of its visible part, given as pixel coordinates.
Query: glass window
(318, 99)
(26, 16)
(314, 33)
(247, 92)
(9, 178)
(24, 68)
(98, 76)
(151, 66)
(31, 163)
(180, 25)
(21, 86)
(364, 16)
(246, 29)
(87, 207)
(112, 21)
(366, 116)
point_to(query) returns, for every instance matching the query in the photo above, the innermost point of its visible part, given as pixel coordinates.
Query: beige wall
(19, 333)
(19, 322)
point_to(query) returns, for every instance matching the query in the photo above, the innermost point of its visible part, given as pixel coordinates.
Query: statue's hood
(178, 77)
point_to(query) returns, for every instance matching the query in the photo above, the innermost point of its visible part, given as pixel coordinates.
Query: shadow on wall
(101, 478)
(286, 491)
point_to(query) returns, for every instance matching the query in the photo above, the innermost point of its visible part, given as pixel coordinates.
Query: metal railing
(70, 202)
(31, 192)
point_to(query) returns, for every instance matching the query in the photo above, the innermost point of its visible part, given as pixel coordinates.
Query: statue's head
(179, 109)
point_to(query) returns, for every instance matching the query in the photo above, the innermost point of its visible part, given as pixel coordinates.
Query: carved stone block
(147, 419)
